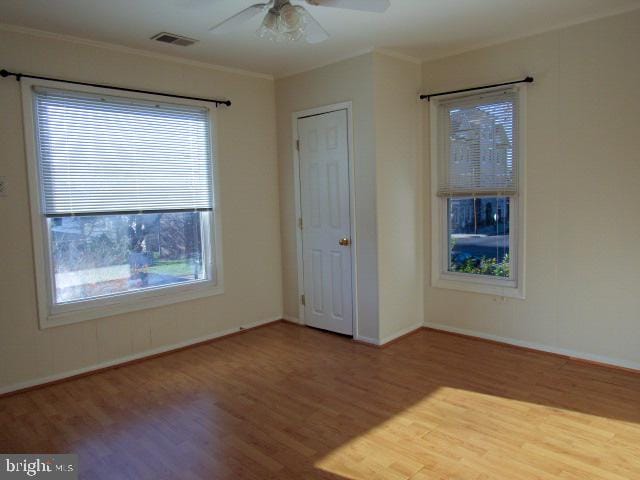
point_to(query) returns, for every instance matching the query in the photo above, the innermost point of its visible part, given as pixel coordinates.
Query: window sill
(126, 303)
(488, 286)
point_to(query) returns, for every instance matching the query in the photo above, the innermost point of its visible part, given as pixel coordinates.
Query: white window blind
(100, 154)
(477, 154)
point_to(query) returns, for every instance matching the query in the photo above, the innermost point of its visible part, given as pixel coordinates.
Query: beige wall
(249, 202)
(399, 198)
(583, 191)
(388, 204)
(350, 80)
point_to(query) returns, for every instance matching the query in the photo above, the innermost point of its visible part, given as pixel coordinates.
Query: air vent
(173, 39)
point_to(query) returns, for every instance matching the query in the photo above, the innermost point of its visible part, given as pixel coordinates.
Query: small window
(477, 203)
(479, 242)
(126, 202)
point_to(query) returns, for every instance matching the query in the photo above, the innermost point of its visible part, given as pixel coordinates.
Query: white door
(326, 222)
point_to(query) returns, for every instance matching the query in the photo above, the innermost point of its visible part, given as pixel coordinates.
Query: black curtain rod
(5, 73)
(524, 80)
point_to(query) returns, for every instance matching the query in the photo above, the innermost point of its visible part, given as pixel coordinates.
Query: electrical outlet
(3, 186)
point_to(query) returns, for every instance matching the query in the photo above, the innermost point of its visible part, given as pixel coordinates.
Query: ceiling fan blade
(362, 5)
(314, 32)
(234, 21)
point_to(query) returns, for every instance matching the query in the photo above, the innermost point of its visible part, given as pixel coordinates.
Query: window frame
(51, 314)
(441, 277)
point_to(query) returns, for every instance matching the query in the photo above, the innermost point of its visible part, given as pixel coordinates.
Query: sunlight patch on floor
(452, 433)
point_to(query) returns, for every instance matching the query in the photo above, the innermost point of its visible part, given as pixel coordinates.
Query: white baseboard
(400, 333)
(129, 358)
(291, 319)
(538, 346)
(372, 341)
(389, 338)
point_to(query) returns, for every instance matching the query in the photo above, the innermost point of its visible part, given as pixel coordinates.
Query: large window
(477, 192)
(125, 202)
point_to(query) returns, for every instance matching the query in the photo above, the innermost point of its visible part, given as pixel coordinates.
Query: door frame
(348, 106)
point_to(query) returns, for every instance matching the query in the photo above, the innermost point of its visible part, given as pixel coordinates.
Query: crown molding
(534, 33)
(398, 56)
(383, 51)
(129, 50)
(349, 56)
(359, 53)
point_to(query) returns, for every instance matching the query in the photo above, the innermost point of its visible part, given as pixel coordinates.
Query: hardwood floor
(286, 402)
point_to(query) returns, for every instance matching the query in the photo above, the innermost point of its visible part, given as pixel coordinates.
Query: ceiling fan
(285, 22)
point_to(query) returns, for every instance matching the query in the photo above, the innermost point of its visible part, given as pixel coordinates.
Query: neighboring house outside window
(477, 148)
(123, 201)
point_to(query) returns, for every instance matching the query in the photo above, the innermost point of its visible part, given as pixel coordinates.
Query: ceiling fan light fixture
(269, 25)
(291, 18)
(286, 24)
(291, 23)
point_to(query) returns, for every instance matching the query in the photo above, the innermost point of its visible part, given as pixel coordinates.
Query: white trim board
(135, 356)
(440, 276)
(291, 319)
(369, 340)
(342, 58)
(359, 53)
(389, 338)
(129, 50)
(534, 33)
(400, 333)
(615, 362)
(387, 52)
(295, 116)
(51, 314)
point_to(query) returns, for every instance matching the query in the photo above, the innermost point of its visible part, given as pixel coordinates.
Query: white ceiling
(419, 28)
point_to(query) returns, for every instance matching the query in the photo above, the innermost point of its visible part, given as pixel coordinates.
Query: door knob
(344, 241)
